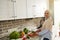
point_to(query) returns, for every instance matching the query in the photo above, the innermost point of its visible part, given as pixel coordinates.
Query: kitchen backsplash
(20, 24)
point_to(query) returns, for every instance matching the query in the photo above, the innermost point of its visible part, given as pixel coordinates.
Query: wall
(5, 26)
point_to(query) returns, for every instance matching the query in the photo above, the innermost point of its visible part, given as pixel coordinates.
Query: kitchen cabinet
(36, 8)
(6, 10)
(20, 9)
(30, 8)
(11, 10)
(3, 9)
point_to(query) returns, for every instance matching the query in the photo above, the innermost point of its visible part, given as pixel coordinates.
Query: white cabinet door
(36, 8)
(6, 10)
(20, 9)
(41, 6)
(30, 8)
(11, 11)
(3, 10)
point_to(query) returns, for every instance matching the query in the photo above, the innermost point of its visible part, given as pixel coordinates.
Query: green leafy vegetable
(14, 35)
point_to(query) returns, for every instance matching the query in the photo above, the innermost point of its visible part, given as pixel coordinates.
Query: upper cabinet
(3, 9)
(30, 8)
(11, 12)
(20, 9)
(6, 10)
(40, 7)
(36, 8)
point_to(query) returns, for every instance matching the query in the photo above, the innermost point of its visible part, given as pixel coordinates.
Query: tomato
(24, 38)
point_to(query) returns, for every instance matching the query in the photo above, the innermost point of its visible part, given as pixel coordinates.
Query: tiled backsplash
(6, 25)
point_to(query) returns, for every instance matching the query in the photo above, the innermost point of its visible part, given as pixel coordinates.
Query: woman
(45, 31)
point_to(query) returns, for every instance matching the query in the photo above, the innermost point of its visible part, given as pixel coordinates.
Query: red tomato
(24, 38)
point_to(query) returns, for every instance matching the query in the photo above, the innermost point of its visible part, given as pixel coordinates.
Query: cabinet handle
(13, 0)
(34, 15)
(15, 16)
(12, 16)
(33, 5)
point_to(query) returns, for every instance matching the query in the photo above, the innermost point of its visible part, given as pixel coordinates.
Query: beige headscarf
(48, 23)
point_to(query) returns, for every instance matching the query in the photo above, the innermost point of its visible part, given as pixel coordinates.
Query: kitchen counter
(6, 38)
(16, 29)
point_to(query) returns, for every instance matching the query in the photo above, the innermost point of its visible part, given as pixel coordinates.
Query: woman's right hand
(38, 30)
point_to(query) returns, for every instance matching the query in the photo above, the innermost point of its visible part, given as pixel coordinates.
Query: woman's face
(46, 14)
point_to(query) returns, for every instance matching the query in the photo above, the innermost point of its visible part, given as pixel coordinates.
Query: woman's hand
(38, 30)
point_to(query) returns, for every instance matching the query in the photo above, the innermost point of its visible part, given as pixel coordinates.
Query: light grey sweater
(45, 34)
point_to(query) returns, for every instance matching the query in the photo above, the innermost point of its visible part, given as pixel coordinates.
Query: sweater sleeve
(43, 32)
